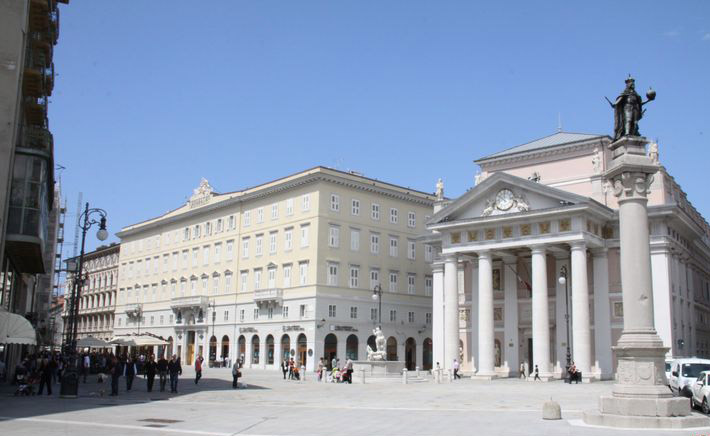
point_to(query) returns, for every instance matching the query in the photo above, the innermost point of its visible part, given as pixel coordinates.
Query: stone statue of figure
(439, 190)
(653, 152)
(628, 110)
(380, 353)
(597, 160)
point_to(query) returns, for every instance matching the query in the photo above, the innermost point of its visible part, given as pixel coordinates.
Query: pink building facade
(540, 211)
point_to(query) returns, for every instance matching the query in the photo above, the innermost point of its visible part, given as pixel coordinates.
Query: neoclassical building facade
(540, 211)
(281, 270)
(97, 300)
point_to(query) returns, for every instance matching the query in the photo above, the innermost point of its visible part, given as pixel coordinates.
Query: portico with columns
(508, 239)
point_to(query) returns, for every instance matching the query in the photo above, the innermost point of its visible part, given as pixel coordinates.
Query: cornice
(543, 153)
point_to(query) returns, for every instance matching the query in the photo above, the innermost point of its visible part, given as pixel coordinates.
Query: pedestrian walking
(198, 368)
(45, 377)
(349, 370)
(150, 369)
(522, 370)
(537, 374)
(320, 369)
(129, 372)
(85, 365)
(290, 369)
(175, 370)
(116, 371)
(456, 367)
(162, 367)
(284, 368)
(236, 373)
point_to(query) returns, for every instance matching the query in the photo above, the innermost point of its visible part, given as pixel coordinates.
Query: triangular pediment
(503, 194)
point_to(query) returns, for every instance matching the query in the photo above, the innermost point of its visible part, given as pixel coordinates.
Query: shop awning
(16, 329)
(91, 342)
(138, 341)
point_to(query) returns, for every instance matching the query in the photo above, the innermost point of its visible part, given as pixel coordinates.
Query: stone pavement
(271, 406)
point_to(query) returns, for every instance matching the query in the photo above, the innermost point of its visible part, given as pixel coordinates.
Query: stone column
(451, 312)
(640, 398)
(581, 329)
(510, 315)
(661, 270)
(540, 313)
(473, 320)
(562, 335)
(602, 313)
(486, 346)
(437, 314)
(278, 354)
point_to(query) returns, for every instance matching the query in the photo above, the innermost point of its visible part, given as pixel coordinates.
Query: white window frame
(332, 274)
(393, 281)
(289, 206)
(411, 284)
(287, 276)
(411, 250)
(354, 240)
(334, 236)
(305, 235)
(355, 207)
(394, 247)
(411, 219)
(306, 202)
(335, 202)
(274, 211)
(272, 242)
(394, 215)
(288, 239)
(354, 276)
(375, 212)
(374, 243)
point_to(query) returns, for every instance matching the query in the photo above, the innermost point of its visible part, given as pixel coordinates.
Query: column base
(631, 421)
(484, 375)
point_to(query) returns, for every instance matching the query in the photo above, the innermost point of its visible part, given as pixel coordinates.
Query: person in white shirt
(456, 369)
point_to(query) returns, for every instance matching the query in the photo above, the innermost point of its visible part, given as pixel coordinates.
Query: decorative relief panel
(497, 314)
(565, 225)
(544, 227)
(490, 234)
(472, 235)
(456, 237)
(496, 280)
(507, 232)
(525, 230)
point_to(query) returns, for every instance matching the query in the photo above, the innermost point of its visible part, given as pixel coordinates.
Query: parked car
(700, 390)
(684, 372)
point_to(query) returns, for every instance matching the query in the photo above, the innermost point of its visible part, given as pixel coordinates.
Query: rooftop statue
(628, 110)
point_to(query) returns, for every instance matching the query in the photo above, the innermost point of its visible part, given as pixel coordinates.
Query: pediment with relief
(502, 194)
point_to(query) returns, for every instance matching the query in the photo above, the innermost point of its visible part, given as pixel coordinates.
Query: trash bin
(70, 384)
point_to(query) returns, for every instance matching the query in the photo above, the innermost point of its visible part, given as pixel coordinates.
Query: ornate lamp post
(70, 379)
(563, 281)
(377, 296)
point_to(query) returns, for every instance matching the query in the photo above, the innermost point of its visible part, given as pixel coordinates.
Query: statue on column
(628, 110)
(439, 190)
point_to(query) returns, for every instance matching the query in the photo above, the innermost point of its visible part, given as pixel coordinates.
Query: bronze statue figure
(628, 110)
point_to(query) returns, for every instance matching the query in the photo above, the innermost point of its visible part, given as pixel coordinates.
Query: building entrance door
(190, 347)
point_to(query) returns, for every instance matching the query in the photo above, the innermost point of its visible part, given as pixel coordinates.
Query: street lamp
(70, 378)
(563, 281)
(377, 296)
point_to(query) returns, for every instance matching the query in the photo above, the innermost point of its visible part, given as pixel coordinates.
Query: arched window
(351, 345)
(392, 348)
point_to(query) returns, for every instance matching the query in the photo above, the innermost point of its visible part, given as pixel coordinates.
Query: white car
(700, 392)
(684, 372)
(669, 362)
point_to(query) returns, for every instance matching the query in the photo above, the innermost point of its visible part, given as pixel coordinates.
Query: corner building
(284, 269)
(536, 211)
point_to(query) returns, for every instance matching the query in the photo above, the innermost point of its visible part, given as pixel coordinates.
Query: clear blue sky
(153, 95)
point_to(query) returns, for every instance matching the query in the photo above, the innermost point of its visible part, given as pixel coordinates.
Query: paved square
(271, 406)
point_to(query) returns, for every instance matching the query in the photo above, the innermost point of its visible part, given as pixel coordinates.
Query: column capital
(538, 249)
(578, 245)
(437, 267)
(485, 254)
(600, 252)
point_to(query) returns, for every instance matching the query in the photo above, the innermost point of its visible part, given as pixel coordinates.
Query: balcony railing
(38, 138)
(196, 301)
(272, 296)
(134, 310)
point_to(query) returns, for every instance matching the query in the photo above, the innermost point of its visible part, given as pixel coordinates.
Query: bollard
(450, 375)
(437, 375)
(416, 369)
(303, 373)
(404, 376)
(363, 376)
(551, 410)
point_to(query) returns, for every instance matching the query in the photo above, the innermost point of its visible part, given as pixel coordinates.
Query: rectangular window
(247, 218)
(162, 319)
(256, 314)
(220, 225)
(197, 231)
(186, 234)
(393, 316)
(333, 274)
(394, 215)
(355, 207)
(331, 310)
(374, 278)
(152, 318)
(257, 279)
(334, 236)
(302, 311)
(217, 252)
(410, 317)
(215, 285)
(411, 283)
(375, 212)
(208, 228)
(373, 314)
(230, 251)
(232, 222)
(274, 211)
(355, 240)
(245, 248)
(156, 263)
(428, 285)
(428, 253)
(354, 276)
(374, 243)
(393, 282)
(335, 202)
(304, 235)
(288, 239)
(226, 315)
(289, 207)
(260, 215)
(353, 312)
(195, 257)
(241, 315)
(245, 281)
(411, 250)
(147, 266)
(175, 261)
(287, 276)
(428, 317)
(193, 287)
(270, 313)
(166, 263)
(227, 283)
(206, 255)
(258, 245)
(411, 220)
(303, 273)
(183, 284)
(271, 278)
(284, 312)
(394, 247)
(172, 290)
(272, 243)
(306, 203)
(204, 285)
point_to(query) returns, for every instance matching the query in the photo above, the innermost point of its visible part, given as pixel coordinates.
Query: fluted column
(540, 313)
(581, 331)
(451, 312)
(486, 346)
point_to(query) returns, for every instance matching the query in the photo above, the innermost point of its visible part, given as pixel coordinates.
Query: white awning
(16, 329)
(91, 342)
(138, 341)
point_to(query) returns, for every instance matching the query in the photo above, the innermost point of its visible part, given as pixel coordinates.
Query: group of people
(333, 372)
(290, 368)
